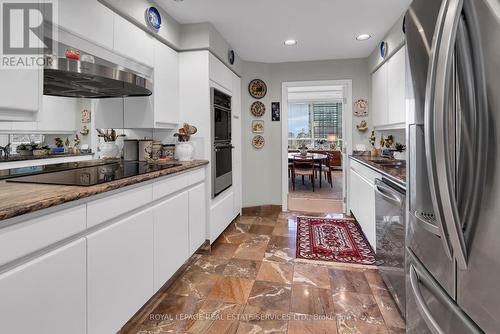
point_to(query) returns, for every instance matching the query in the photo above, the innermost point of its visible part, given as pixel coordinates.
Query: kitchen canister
(131, 150)
(145, 149)
(184, 151)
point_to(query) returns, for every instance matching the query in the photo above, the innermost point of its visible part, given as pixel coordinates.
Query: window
(312, 123)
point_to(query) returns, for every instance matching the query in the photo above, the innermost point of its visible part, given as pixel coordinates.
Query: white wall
(262, 168)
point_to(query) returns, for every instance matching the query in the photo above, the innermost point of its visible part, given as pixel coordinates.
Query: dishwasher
(390, 235)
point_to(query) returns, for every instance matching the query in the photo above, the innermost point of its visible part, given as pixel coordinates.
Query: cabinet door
(171, 237)
(139, 112)
(236, 141)
(46, 295)
(379, 96)
(396, 87)
(220, 73)
(108, 113)
(132, 42)
(98, 31)
(58, 114)
(120, 272)
(20, 94)
(197, 217)
(166, 86)
(362, 199)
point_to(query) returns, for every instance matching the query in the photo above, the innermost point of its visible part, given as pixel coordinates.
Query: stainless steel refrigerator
(453, 228)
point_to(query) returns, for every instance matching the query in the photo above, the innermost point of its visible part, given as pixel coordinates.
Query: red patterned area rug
(336, 240)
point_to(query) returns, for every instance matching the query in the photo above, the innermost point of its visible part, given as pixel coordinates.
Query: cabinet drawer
(24, 238)
(175, 183)
(110, 207)
(169, 186)
(366, 172)
(196, 176)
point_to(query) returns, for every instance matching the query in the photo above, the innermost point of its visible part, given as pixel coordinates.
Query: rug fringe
(336, 264)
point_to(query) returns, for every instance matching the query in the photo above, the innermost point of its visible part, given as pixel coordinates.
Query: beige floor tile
(231, 290)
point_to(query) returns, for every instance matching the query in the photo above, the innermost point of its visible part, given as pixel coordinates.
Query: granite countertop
(397, 175)
(21, 198)
(17, 157)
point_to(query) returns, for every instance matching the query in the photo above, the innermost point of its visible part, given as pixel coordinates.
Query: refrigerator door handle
(430, 96)
(419, 275)
(422, 307)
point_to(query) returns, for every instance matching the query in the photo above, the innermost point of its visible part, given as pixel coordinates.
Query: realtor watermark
(28, 33)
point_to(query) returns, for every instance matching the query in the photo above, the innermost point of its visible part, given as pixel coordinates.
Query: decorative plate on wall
(258, 126)
(230, 57)
(153, 18)
(257, 88)
(258, 142)
(383, 48)
(258, 109)
(361, 108)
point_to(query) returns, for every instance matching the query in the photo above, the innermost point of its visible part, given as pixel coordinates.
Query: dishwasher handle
(388, 194)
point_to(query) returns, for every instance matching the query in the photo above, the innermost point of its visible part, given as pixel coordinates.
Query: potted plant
(25, 149)
(303, 148)
(184, 150)
(41, 150)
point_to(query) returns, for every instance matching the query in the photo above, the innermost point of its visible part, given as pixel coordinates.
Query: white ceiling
(325, 29)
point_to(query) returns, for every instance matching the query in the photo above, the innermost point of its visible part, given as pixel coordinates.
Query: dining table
(317, 157)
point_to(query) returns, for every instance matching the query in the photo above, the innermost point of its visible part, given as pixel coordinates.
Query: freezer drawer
(428, 248)
(430, 309)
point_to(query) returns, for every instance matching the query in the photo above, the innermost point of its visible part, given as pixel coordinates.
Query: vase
(108, 150)
(184, 151)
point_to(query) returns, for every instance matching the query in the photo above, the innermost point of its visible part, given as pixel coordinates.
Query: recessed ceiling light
(363, 37)
(290, 42)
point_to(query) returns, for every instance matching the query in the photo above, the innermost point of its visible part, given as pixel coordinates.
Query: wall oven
(222, 160)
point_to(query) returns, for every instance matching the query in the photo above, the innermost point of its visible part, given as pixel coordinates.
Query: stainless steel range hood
(74, 78)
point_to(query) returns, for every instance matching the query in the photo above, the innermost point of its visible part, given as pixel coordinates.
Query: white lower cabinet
(362, 202)
(197, 217)
(171, 237)
(120, 272)
(46, 295)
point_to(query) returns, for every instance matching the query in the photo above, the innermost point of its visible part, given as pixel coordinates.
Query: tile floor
(252, 283)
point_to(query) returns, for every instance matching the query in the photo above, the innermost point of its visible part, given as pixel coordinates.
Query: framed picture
(85, 116)
(258, 126)
(275, 111)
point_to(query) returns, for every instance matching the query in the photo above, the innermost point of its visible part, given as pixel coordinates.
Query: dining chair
(303, 167)
(327, 167)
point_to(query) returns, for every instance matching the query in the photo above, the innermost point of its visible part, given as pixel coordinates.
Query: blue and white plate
(153, 18)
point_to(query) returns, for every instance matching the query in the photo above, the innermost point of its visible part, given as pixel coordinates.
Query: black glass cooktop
(93, 174)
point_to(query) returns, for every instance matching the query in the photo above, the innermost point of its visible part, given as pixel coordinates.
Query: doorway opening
(315, 135)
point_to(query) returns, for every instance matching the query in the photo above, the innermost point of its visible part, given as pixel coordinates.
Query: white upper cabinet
(166, 85)
(379, 96)
(396, 87)
(58, 114)
(88, 19)
(388, 92)
(161, 110)
(132, 42)
(108, 113)
(220, 73)
(20, 94)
